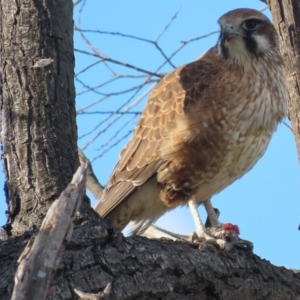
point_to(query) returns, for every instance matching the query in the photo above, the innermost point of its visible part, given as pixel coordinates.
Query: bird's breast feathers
(220, 137)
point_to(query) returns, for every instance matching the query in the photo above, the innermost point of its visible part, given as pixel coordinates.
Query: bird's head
(247, 34)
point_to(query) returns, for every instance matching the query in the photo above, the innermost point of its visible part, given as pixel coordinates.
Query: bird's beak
(229, 32)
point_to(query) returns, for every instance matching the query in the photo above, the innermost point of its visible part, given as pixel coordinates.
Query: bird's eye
(250, 24)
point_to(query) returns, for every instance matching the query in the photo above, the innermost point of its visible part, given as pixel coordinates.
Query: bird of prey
(204, 126)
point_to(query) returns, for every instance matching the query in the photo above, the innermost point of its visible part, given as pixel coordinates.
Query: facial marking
(250, 45)
(246, 38)
(263, 44)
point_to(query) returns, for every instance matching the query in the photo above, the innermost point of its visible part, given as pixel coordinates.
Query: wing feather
(140, 160)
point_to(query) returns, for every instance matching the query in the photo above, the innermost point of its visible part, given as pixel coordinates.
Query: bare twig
(264, 8)
(81, 10)
(107, 96)
(92, 182)
(119, 63)
(113, 145)
(184, 43)
(90, 89)
(155, 43)
(115, 115)
(88, 67)
(113, 93)
(117, 118)
(288, 126)
(100, 112)
(168, 25)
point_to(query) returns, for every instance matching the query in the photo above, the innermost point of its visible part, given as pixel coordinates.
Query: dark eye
(250, 24)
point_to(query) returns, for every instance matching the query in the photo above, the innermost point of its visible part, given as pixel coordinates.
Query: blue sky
(265, 202)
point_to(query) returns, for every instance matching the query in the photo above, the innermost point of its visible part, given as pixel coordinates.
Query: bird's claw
(221, 239)
(206, 239)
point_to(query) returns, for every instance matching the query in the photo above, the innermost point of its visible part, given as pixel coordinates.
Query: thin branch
(101, 112)
(264, 8)
(155, 43)
(108, 121)
(184, 43)
(201, 37)
(131, 37)
(92, 182)
(117, 118)
(120, 63)
(91, 104)
(90, 89)
(113, 145)
(96, 50)
(81, 10)
(115, 33)
(117, 133)
(112, 93)
(168, 25)
(88, 67)
(138, 88)
(121, 107)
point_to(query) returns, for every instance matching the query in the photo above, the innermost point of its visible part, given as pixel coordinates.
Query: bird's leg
(211, 213)
(201, 232)
(200, 229)
(224, 235)
(221, 235)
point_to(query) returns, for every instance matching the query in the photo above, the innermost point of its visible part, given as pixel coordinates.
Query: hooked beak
(229, 32)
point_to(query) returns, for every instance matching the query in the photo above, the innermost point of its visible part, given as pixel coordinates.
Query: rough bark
(286, 18)
(139, 268)
(40, 259)
(40, 156)
(39, 131)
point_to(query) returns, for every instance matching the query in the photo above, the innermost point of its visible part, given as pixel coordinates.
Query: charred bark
(140, 268)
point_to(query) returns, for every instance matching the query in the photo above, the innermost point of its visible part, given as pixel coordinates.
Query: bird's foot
(205, 239)
(223, 236)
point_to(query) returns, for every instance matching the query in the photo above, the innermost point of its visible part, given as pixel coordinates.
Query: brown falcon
(205, 125)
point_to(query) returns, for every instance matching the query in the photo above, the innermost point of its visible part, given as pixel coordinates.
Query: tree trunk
(40, 155)
(39, 134)
(286, 18)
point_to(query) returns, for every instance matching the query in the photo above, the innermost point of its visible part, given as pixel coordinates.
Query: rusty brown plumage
(204, 126)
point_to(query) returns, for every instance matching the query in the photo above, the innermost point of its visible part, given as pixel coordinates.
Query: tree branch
(41, 258)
